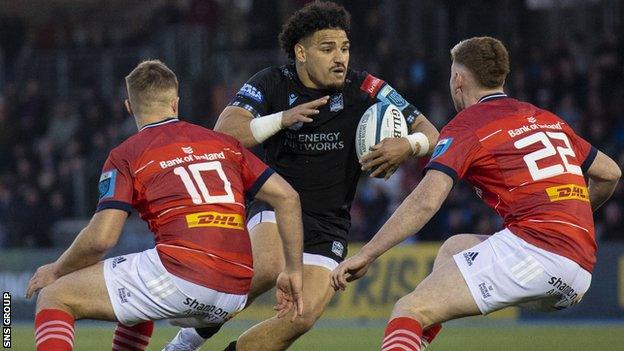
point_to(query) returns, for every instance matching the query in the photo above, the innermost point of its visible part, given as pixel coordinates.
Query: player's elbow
(290, 197)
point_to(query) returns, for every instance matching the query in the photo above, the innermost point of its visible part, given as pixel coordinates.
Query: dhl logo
(568, 192)
(215, 219)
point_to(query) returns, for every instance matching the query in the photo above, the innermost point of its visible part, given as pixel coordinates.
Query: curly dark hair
(315, 16)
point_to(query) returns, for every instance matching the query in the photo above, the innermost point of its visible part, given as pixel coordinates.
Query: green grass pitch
(509, 338)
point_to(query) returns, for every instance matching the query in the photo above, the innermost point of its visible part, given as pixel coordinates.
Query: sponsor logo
(441, 147)
(337, 248)
(6, 320)
(251, 92)
(396, 120)
(191, 158)
(371, 85)
(470, 257)
(187, 150)
(531, 119)
(106, 187)
(561, 289)
(201, 309)
(485, 290)
(568, 192)
(389, 95)
(118, 260)
(123, 295)
(336, 102)
(215, 219)
(310, 142)
(292, 98)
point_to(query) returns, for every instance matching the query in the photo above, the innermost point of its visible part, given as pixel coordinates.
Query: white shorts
(505, 270)
(141, 289)
(308, 259)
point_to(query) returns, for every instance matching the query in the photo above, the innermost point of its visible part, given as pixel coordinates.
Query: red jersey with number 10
(189, 183)
(527, 164)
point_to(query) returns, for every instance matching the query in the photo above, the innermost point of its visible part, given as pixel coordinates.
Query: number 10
(205, 197)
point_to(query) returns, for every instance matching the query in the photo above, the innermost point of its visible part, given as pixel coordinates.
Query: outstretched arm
(91, 244)
(415, 211)
(250, 131)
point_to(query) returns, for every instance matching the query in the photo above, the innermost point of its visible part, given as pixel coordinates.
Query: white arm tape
(422, 140)
(264, 127)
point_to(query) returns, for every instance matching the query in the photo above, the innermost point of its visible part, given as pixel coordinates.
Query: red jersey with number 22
(527, 164)
(189, 183)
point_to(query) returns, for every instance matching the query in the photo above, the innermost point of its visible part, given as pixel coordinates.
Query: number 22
(548, 150)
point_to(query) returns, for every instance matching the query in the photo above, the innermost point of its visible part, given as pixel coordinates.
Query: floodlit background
(62, 64)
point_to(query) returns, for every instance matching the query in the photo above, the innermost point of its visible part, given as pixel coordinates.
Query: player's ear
(175, 104)
(300, 54)
(128, 107)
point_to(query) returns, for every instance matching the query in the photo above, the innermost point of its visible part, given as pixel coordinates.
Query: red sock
(430, 333)
(54, 330)
(402, 334)
(134, 338)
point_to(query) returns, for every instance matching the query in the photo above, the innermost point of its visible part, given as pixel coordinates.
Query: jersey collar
(160, 123)
(492, 97)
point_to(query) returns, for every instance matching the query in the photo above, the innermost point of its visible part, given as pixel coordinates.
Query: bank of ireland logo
(187, 150)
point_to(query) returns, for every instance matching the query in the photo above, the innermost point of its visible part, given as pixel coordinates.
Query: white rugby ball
(380, 121)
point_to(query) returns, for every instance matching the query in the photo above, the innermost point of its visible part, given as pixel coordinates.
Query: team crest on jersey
(336, 102)
(337, 248)
(441, 147)
(107, 184)
(251, 92)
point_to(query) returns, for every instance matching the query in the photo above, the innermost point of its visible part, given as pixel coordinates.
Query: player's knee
(415, 309)
(304, 323)
(50, 297)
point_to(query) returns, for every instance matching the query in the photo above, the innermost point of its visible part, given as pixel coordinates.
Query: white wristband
(422, 140)
(264, 127)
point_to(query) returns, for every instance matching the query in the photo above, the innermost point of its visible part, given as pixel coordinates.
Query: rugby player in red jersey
(189, 184)
(529, 166)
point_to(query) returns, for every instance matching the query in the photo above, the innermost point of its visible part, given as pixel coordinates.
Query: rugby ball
(380, 121)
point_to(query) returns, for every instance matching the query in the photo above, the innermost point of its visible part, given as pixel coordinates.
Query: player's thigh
(317, 293)
(456, 244)
(268, 257)
(83, 292)
(441, 296)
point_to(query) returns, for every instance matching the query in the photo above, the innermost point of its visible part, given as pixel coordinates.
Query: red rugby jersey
(189, 183)
(527, 164)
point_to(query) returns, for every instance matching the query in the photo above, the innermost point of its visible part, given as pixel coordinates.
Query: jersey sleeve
(254, 172)
(254, 94)
(455, 151)
(586, 153)
(116, 186)
(380, 91)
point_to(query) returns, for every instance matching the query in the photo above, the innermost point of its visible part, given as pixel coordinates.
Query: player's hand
(349, 270)
(44, 276)
(301, 113)
(289, 294)
(386, 156)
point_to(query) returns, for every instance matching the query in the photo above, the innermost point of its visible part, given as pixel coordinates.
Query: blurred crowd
(53, 149)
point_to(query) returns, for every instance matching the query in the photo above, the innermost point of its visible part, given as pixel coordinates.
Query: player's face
(455, 85)
(327, 58)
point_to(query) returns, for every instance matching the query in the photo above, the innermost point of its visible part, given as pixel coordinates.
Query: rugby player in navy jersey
(305, 114)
